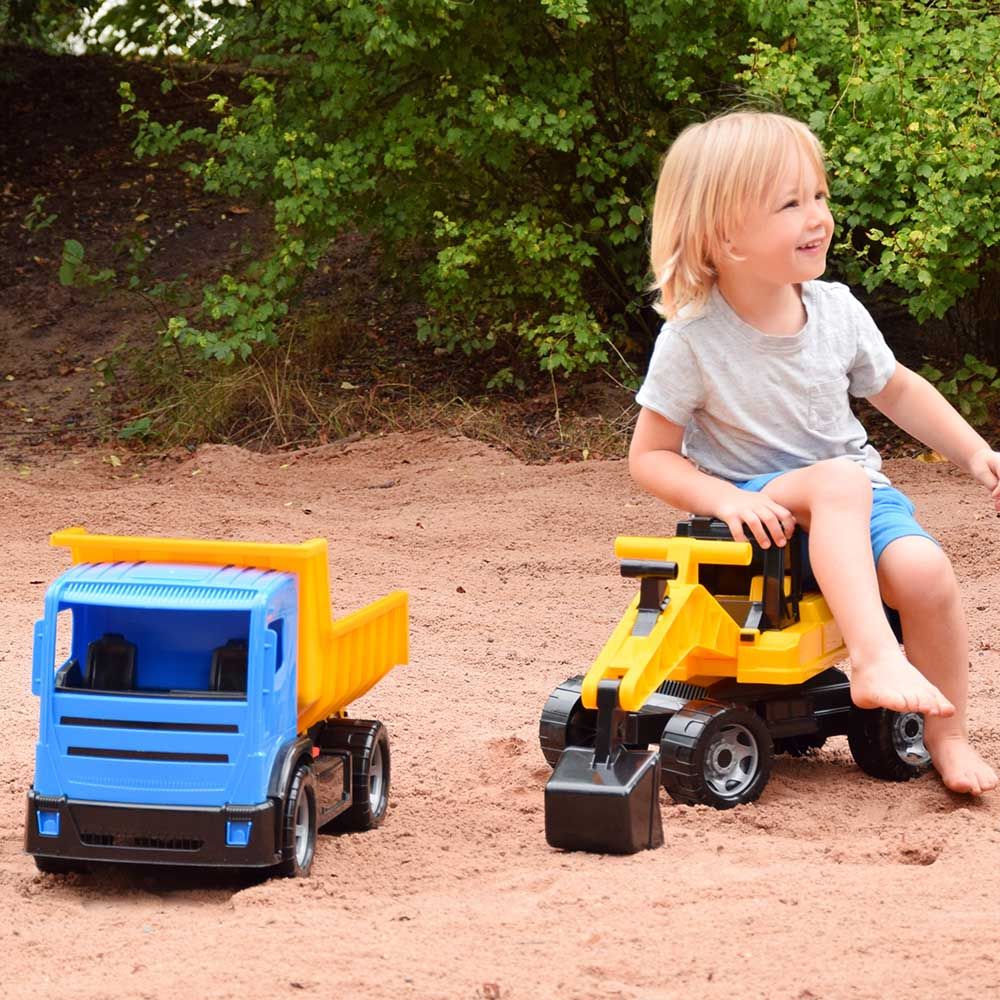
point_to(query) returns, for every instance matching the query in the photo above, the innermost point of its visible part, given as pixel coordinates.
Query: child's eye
(821, 196)
(790, 204)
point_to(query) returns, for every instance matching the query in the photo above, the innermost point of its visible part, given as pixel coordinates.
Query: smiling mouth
(812, 245)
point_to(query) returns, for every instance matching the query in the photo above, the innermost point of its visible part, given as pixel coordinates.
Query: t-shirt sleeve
(874, 362)
(673, 386)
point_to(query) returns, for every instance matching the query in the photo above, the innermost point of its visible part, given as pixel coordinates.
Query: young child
(745, 415)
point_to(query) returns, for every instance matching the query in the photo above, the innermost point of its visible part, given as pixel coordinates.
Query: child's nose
(820, 214)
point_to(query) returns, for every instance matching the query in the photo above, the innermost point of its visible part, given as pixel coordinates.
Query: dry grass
(318, 389)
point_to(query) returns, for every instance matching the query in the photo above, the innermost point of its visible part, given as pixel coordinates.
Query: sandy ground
(833, 885)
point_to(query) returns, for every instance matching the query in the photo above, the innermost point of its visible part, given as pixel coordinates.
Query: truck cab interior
(181, 654)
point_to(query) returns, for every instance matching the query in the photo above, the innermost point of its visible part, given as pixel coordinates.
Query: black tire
(714, 754)
(886, 744)
(799, 746)
(298, 841)
(61, 866)
(367, 743)
(565, 722)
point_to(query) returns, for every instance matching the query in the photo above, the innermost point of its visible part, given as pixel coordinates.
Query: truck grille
(103, 839)
(171, 727)
(186, 758)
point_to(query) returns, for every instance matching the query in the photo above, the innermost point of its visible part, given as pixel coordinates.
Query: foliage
(131, 254)
(905, 96)
(74, 269)
(36, 218)
(506, 152)
(140, 429)
(126, 26)
(972, 389)
(41, 23)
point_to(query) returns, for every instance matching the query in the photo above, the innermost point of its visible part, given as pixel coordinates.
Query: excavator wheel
(715, 754)
(565, 722)
(886, 744)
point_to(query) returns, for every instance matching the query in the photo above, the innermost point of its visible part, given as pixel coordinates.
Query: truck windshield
(156, 652)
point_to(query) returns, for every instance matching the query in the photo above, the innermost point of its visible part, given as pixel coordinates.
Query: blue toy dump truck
(192, 706)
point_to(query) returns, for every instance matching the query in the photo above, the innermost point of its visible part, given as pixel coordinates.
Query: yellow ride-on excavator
(723, 659)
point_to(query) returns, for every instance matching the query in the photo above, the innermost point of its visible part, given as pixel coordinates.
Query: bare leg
(832, 501)
(917, 579)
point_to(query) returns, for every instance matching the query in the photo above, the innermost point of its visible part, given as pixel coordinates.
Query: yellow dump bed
(338, 660)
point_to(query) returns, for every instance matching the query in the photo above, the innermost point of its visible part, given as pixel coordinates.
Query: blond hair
(714, 174)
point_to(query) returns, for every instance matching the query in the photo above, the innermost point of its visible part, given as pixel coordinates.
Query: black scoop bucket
(605, 799)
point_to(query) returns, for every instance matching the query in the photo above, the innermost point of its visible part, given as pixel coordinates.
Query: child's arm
(657, 465)
(914, 405)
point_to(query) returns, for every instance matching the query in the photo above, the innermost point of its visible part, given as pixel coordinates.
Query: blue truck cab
(169, 724)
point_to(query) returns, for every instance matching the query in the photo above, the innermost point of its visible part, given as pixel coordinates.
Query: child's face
(785, 240)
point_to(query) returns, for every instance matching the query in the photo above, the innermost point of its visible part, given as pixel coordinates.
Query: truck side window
(68, 673)
(64, 636)
(278, 628)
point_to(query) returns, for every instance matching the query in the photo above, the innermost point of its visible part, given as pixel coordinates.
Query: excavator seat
(784, 571)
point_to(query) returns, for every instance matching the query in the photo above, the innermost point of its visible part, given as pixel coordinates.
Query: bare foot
(893, 682)
(960, 766)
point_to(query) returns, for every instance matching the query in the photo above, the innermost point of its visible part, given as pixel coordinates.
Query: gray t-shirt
(751, 403)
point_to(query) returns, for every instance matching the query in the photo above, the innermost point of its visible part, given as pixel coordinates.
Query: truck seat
(229, 666)
(110, 663)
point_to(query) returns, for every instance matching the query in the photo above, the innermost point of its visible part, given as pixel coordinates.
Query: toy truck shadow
(722, 660)
(199, 718)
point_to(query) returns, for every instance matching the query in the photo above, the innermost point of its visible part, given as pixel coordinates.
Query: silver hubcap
(303, 829)
(732, 761)
(908, 738)
(376, 778)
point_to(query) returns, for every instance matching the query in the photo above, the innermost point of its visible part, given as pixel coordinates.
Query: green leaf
(139, 428)
(73, 251)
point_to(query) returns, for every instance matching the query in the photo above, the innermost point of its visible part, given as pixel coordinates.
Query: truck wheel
(714, 754)
(799, 746)
(886, 744)
(298, 846)
(61, 866)
(367, 743)
(565, 722)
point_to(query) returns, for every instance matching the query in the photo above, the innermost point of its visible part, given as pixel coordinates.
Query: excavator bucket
(605, 799)
(608, 808)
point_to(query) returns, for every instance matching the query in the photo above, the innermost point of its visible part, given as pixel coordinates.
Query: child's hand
(985, 468)
(762, 515)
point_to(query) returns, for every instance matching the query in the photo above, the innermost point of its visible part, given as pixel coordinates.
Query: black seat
(110, 663)
(229, 666)
(777, 610)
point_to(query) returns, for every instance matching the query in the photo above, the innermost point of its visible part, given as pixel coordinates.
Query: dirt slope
(833, 885)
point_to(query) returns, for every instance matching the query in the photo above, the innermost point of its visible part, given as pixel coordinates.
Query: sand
(832, 885)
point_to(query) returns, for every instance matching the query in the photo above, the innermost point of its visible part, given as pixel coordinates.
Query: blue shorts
(892, 513)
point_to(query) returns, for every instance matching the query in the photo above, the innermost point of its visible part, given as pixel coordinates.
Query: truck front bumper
(225, 836)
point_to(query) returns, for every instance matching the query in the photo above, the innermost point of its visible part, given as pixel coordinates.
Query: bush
(904, 94)
(509, 147)
(506, 152)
